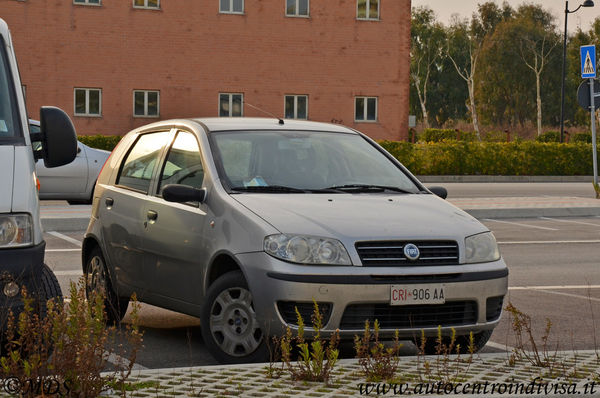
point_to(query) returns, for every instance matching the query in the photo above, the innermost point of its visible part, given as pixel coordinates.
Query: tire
(228, 322)
(479, 341)
(97, 280)
(49, 289)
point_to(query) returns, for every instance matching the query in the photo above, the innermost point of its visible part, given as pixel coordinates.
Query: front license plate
(417, 294)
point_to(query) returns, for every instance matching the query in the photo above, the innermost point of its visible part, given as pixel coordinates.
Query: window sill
(147, 8)
(231, 13)
(146, 116)
(297, 16)
(87, 4)
(369, 19)
(87, 115)
(367, 121)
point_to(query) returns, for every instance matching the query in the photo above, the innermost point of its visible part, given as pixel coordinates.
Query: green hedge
(493, 158)
(106, 142)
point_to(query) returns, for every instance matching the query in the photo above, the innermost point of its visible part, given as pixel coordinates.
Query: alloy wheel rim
(233, 323)
(96, 279)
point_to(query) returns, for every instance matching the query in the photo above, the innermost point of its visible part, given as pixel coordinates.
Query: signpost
(588, 71)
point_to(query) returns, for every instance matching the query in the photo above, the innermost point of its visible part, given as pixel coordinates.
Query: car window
(138, 166)
(304, 160)
(9, 116)
(183, 164)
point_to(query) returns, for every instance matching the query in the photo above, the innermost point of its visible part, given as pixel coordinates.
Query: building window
(88, 102)
(87, 2)
(231, 6)
(296, 8)
(231, 104)
(296, 107)
(365, 109)
(151, 4)
(367, 9)
(146, 103)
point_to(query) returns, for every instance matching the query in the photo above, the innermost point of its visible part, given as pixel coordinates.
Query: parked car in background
(241, 221)
(75, 181)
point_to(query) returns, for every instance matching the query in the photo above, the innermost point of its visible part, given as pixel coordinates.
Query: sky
(464, 8)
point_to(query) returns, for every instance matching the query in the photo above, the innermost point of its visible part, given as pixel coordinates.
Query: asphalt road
(554, 273)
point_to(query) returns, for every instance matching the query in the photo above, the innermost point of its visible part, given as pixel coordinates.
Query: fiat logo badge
(411, 252)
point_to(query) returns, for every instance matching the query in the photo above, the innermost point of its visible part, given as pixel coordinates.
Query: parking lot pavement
(554, 273)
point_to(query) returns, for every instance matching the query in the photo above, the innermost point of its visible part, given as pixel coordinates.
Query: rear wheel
(98, 282)
(228, 322)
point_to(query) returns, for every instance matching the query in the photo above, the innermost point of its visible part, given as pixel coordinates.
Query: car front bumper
(350, 293)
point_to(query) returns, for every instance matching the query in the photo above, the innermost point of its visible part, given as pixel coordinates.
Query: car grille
(455, 313)
(391, 253)
(493, 308)
(287, 310)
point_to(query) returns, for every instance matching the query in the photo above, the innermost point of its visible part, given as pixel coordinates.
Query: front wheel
(49, 289)
(98, 282)
(228, 322)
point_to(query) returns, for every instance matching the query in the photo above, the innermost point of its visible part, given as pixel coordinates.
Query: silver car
(73, 182)
(239, 221)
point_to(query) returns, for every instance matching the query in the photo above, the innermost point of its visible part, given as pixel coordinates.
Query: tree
(427, 37)
(537, 37)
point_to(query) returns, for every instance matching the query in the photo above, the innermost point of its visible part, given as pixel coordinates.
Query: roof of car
(257, 123)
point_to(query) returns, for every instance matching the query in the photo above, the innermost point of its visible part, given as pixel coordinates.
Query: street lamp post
(586, 3)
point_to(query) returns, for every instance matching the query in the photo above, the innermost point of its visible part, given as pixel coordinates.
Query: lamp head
(588, 3)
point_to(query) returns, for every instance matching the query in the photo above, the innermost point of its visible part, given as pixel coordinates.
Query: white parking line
(558, 287)
(499, 346)
(62, 250)
(547, 242)
(569, 221)
(521, 225)
(65, 237)
(118, 360)
(68, 273)
(571, 295)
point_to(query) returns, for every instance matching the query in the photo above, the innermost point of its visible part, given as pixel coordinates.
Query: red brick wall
(191, 52)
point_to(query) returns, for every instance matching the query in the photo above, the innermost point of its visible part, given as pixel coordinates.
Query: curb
(486, 178)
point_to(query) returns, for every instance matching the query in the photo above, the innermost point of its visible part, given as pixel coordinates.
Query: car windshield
(9, 117)
(299, 161)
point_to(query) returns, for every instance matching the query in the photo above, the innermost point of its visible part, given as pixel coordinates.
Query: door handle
(152, 215)
(109, 202)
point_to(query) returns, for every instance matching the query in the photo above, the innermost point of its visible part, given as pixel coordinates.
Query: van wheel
(97, 281)
(228, 322)
(49, 289)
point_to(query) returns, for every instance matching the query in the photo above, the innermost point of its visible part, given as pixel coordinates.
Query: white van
(21, 241)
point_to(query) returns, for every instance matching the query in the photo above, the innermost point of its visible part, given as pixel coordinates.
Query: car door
(122, 209)
(64, 181)
(174, 241)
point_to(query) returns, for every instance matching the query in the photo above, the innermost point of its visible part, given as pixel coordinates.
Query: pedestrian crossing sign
(588, 62)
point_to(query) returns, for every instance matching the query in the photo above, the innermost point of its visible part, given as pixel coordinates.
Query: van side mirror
(58, 138)
(439, 191)
(183, 193)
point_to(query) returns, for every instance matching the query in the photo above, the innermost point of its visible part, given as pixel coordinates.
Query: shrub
(379, 362)
(65, 352)
(493, 158)
(548, 136)
(439, 135)
(317, 359)
(106, 142)
(494, 136)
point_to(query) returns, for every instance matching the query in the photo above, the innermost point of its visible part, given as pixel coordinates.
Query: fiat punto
(241, 221)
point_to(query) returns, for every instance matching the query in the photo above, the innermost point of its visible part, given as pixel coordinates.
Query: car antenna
(265, 112)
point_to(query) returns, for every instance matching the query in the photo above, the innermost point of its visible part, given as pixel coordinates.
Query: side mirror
(439, 191)
(183, 193)
(58, 138)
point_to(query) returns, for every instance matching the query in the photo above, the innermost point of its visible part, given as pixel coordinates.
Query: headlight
(306, 249)
(15, 230)
(481, 248)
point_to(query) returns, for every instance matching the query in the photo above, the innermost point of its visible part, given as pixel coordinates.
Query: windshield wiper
(368, 188)
(269, 188)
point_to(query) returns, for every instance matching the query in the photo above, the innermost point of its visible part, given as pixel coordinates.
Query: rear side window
(138, 167)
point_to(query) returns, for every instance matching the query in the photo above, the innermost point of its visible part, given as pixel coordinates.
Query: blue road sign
(588, 61)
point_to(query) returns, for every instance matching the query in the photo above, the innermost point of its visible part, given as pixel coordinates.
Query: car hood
(363, 216)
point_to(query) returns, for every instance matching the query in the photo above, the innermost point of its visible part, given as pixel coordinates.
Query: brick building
(114, 65)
